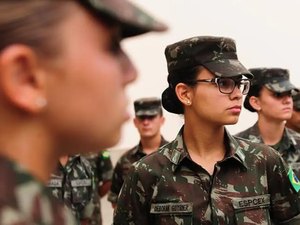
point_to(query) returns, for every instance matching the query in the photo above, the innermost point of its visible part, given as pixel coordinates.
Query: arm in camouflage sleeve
(133, 206)
(285, 201)
(117, 182)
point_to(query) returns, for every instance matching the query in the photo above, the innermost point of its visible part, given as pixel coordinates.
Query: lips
(236, 107)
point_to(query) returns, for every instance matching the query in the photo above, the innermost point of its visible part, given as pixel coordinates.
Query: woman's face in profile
(87, 101)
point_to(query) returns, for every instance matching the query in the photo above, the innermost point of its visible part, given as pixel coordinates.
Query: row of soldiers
(274, 127)
(63, 76)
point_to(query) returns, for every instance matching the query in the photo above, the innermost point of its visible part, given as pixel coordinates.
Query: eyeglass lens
(227, 85)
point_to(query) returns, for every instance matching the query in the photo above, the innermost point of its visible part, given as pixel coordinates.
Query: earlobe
(21, 80)
(183, 93)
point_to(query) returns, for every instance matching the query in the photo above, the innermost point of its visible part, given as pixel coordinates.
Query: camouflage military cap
(275, 79)
(296, 101)
(147, 106)
(133, 20)
(217, 54)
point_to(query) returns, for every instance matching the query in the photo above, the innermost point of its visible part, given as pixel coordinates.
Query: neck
(270, 131)
(205, 144)
(28, 147)
(151, 144)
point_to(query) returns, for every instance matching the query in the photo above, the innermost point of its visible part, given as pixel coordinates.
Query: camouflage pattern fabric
(133, 20)
(103, 169)
(122, 167)
(74, 185)
(26, 201)
(275, 79)
(249, 186)
(217, 54)
(288, 147)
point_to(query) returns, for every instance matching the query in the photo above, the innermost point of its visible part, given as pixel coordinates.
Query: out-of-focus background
(267, 34)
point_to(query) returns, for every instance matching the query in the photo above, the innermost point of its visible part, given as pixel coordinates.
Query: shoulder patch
(294, 180)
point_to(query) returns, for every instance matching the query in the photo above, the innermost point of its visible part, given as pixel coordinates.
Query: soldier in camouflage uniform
(103, 169)
(63, 75)
(148, 121)
(294, 122)
(207, 176)
(270, 96)
(73, 183)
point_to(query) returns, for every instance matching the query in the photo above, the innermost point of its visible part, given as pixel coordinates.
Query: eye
(225, 82)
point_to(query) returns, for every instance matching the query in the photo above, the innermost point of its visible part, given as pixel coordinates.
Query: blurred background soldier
(73, 183)
(148, 121)
(102, 168)
(270, 96)
(294, 122)
(63, 75)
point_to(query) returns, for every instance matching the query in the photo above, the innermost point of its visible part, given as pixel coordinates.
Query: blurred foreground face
(87, 102)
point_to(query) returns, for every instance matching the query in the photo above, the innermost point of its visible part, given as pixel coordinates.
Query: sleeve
(117, 182)
(285, 198)
(133, 206)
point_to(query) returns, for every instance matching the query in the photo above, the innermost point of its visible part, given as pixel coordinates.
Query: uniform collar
(138, 149)
(287, 141)
(176, 150)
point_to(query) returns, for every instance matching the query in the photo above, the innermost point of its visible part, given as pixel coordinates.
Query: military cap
(217, 54)
(296, 101)
(275, 79)
(133, 20)
(147, 106)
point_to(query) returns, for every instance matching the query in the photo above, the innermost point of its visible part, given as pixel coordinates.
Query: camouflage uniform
(276, 80)
(288, 146)
(249, 186)
(142, 107)
(122, 167)
(102, 168)
(74, 184)
(25, 201)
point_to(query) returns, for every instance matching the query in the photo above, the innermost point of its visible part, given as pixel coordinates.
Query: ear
(135, 121)
(184, 94)
(162, 120)
(21, 79)
(255, 103)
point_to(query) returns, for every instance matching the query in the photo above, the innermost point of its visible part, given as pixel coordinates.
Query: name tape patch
(81, 183)
(171, 208)
(55, 183)
(252, 202)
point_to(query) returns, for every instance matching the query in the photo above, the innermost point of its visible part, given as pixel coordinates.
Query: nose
(129, 70)
(237, 93)
(287, 99)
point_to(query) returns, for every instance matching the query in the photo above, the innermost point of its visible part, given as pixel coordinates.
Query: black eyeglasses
(226, 85)
(145, 117)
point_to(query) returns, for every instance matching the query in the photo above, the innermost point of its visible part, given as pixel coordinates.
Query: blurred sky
(266, 34)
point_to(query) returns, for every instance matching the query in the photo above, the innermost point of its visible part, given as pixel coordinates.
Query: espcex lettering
(251, 202)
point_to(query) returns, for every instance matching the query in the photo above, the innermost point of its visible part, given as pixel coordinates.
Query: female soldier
(62, 80)
(270, 96)
(206, 176)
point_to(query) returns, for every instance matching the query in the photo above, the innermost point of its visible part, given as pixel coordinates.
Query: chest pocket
(252, 210)
(81, 190)
(172, 213)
